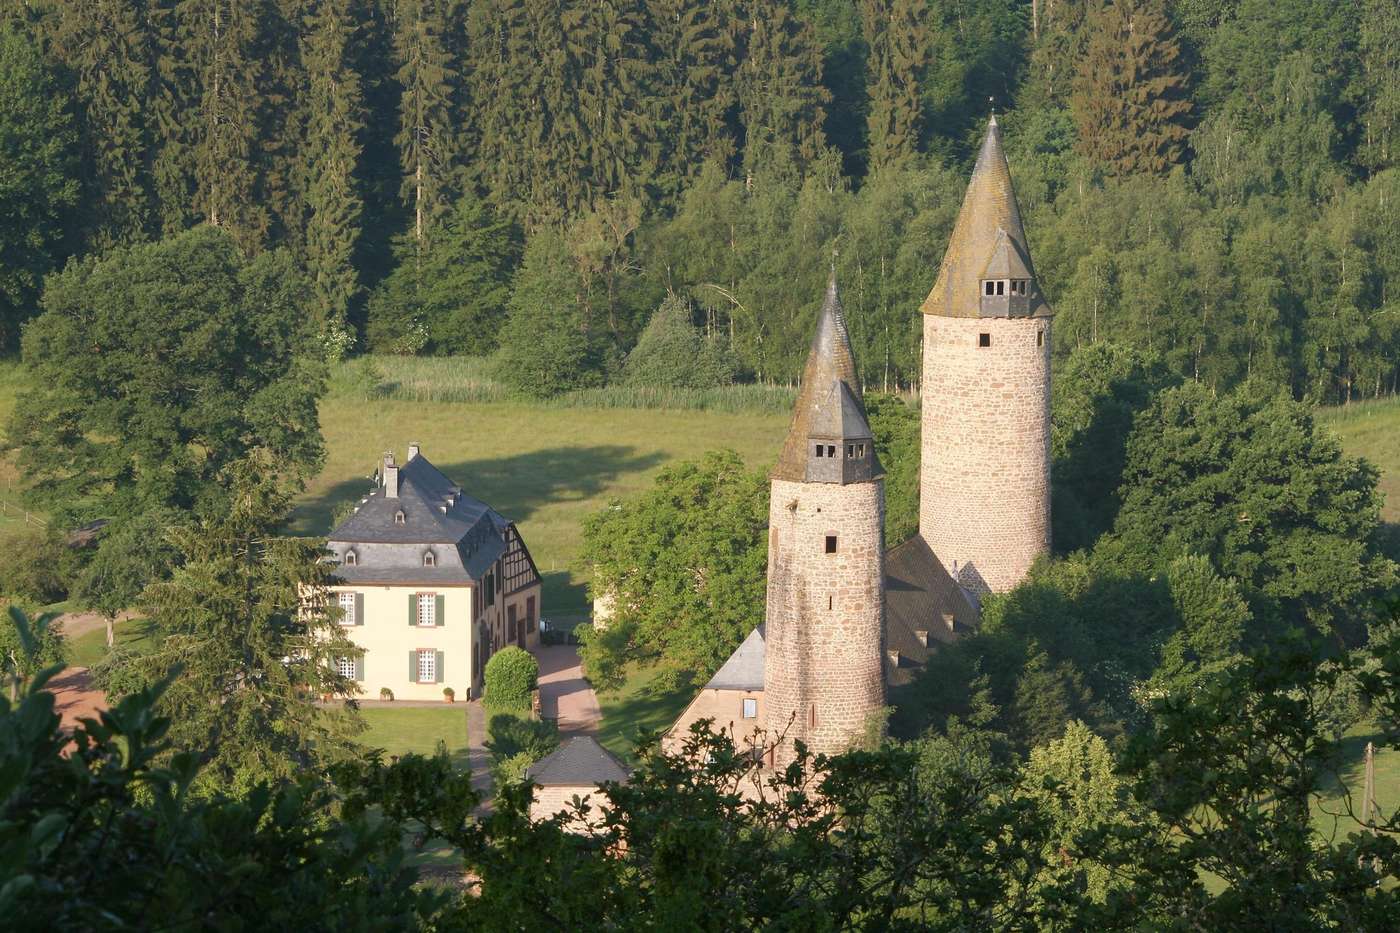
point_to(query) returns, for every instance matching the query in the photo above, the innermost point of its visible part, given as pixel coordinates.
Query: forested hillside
(1210, 179)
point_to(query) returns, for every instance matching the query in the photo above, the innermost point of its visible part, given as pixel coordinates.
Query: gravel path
(74, 697)
(564, 695)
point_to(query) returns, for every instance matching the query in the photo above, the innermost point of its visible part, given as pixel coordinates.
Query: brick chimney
(390, 474)
(412, 449)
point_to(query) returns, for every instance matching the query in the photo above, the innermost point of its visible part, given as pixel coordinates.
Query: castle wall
(824, 660)
(726, 708)
(984, 504)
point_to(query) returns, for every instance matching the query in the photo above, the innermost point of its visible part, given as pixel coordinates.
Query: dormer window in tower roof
(351, 558)
(400, 518)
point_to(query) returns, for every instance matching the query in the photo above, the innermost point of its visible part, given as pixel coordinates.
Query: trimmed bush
(516, 743)
(511, 674)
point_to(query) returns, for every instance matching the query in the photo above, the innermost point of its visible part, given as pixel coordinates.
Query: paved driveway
(564, 694)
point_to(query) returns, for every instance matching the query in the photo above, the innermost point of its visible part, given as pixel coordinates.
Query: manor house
(845, 618)
(428, 571)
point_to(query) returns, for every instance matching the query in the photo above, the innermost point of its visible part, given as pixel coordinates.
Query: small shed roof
(579, 761)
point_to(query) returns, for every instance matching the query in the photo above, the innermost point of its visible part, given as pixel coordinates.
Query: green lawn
(545, 468)
(403, 729)
(1329, 815)
(638, 705)
(1372, 430)
(86, 650)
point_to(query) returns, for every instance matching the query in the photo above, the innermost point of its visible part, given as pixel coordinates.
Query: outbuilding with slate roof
(431, 582)
(577, 768)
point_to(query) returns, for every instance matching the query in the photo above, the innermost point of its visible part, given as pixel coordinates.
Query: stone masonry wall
(726, 708)
(824, 670)
(984, 504)
(558, 797)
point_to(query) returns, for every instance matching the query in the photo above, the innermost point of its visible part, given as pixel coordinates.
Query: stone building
(427, 571)
(577, 768)
(844, 618)
(984, 484)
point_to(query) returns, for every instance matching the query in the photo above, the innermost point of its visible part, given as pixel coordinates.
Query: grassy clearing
(89, 648)
(1372, 430)
(545, 468)
(639, 705)
(1330, 816)
(469, 379)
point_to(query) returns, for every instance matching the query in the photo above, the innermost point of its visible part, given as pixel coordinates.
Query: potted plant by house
(386, 694)
(449, 695)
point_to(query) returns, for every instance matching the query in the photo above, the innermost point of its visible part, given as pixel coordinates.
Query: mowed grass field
(1372, 430)
(548, 469)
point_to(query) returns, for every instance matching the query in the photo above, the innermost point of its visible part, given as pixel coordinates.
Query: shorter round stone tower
(984, 504)
(824, 629)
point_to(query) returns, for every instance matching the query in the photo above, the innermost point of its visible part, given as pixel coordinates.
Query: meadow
(1372, 430)
(545, 466)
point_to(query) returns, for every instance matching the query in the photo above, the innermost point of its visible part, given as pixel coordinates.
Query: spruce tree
(107, 48)
(428, 141)
(673, 353)
(220, 40)
(694, 47)
(544, 347)
(332, 152)
(898, 42)
(781, 97)
(1130, 97)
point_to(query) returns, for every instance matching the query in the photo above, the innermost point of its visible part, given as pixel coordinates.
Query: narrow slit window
(1040, 338)
(831, 544)
(984, 340)
(830, 603)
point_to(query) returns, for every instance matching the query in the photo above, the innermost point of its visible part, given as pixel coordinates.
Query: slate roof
(579, 761)
(823, 407)
(918, 592)
(988, 211)
(465, 537)
(744, 669)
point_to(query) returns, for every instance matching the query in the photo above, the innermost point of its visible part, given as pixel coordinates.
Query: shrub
(517, 743)
(511, 674)
(449, 694)
(385, 693)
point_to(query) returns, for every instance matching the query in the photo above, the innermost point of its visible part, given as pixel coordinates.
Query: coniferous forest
(1211, 181)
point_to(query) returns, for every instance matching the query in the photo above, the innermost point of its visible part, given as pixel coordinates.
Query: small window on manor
(1040, 338)
(989, 287)
(429, 560)
(750, 708)
(345, 667)
(398, 517)
(346, 601)
(427, 609)
(984, 340)
(351, 559)
(831, 544)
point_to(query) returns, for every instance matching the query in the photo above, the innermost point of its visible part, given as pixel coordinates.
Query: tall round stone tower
(824, 629)
(984, 506)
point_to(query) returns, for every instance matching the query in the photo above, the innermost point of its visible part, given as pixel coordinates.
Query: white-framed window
(429, 560)
(427, 605)
(347, 608)
(750, 708)
(345, 667)
(427, 666)
(351, 559)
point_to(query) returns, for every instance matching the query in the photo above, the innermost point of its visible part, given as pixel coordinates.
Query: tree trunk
(111, 632)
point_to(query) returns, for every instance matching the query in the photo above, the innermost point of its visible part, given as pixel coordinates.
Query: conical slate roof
(988, 213)
(830, 404)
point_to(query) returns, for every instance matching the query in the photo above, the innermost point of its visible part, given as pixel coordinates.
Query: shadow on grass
(515, 486)
(637, 709)
(1332, 817)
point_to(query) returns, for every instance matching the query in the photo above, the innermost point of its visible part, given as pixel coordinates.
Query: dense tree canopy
(155, 367)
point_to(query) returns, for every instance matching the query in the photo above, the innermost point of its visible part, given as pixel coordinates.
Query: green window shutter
(439, 616)
(359, 608)
(359, 667)
(413, 667)
(438, 667)
(412, 608)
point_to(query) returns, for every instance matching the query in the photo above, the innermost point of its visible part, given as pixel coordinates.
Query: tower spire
(829, 409)
(988, 226)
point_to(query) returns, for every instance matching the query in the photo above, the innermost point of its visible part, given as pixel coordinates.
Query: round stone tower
(984, 505)
(824, 629)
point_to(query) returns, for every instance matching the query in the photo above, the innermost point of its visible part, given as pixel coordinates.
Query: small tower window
(821, 450)
(398, 517)
(989, 287)
(830, 603)
(351, 559)
(1019, 287)
(1001, 287)
(984, 340)
(831, 544)
(429, 560)
(831, 450)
